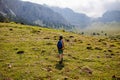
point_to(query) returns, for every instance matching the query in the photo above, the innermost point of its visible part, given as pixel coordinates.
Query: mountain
(110, 16)
(82, 20)
(36, 14)
(77, 19)
(31, 13)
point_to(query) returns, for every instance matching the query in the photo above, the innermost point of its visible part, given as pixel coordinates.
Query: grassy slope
(40, 61)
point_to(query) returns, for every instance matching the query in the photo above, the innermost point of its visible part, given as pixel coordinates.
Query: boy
(60, 46)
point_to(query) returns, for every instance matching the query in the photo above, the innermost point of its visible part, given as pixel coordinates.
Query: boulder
(86, 70)
(20, 52)
(89, 48)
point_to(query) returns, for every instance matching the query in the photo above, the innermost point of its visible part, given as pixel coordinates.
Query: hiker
(60, 46)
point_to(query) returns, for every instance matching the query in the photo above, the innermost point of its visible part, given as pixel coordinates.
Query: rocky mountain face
(82, 20)
(32, 13)
(77, 19)
(110, 16)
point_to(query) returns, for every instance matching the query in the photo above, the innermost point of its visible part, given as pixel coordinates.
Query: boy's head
(61, 37)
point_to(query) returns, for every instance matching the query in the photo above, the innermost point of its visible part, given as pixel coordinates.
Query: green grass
(39, 59)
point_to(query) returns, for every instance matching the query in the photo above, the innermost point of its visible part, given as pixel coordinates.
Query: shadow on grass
(59, 66)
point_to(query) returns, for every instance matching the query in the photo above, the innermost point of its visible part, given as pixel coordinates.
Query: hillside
(30, 53)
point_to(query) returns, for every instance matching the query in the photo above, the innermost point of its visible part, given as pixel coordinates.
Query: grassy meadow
(30, 53)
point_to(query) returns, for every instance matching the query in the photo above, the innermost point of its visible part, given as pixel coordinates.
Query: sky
(92, 8)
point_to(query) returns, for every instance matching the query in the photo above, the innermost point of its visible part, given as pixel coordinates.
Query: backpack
(59, 44)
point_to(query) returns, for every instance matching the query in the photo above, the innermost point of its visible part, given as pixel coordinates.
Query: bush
(82, 33)
(94, 33)
(71, 36)
(98, 48)
(63, 30)
(67, 40)
(20, 52)
(89, 48)
(49, 43)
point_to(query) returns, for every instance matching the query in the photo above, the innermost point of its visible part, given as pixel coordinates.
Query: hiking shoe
(60, 62)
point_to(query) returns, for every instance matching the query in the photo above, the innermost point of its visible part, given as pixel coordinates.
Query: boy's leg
(61, 59)
(61, 56)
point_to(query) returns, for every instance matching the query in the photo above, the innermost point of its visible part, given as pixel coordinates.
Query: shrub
(105, 34)
(71, 36)
(63, 30)
(94, 33)
(49, 43)
(98, 48)
(67, 40)
(75, 40)
(109, 50)
(80, 41)
(20, 52)
(11, 29)
(82, 33)
(34, 31)
(46, 38)
(89, 48)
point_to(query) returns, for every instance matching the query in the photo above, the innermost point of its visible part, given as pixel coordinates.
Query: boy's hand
(63, 48)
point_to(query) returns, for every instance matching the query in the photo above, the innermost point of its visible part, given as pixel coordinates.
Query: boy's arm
(62, 44)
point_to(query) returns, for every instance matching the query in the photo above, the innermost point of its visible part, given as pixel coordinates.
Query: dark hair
(61, 37)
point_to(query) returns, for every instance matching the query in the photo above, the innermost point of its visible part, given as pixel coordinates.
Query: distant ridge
(31, 13)
(77, 19)
(110, 16)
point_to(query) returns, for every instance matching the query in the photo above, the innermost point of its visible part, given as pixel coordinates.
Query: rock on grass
(20, 52)
(71, 36)
(46, 38)
(66, 78)
(49, 43)
(109, 50)
(86, 70)
(89, 48)
(115, 77)
(7, 78)
(67, 40)
(9, 66)
(98, 48)
(11, 29)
